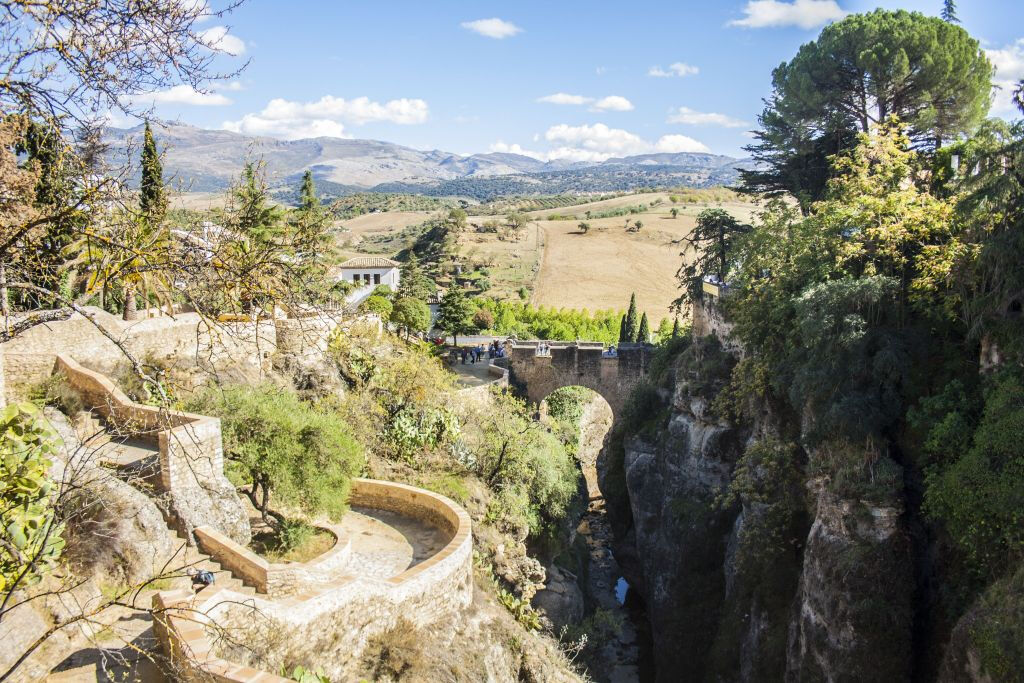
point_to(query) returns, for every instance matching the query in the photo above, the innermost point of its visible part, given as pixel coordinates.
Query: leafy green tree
(411, 315)
(584, 227)
(623, 333)
(285, 452)
(712, 241)
(152, 195)
(631, 324)
(860, 71)
(454, 313)
(380, 305)
(414, 283)
(643, 334)
(516, 220)
(457, 219)
(675, 328)
(987, 272)
(978, 492)
(30, 533)
(674, 212)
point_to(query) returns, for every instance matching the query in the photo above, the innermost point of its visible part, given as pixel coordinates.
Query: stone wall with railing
(191, 454)
(329, 622)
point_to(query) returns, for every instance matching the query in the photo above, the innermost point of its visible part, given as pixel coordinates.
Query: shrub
(30, 534)
(377, 304)
(283, 447)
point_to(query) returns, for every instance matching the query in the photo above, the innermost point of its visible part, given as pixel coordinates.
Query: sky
(573, 80)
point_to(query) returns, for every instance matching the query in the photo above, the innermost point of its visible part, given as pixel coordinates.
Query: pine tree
(643, 335)
(308, 201)
(622, 331)
(414, 283)
(632, 323)
(949, 12)
(153, 197)
(675, 329)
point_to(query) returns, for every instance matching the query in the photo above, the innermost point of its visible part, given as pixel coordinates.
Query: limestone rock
(561, 599)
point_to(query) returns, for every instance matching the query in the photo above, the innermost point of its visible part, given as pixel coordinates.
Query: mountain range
(202, 160)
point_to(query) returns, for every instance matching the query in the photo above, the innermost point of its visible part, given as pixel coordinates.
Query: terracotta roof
(370, 262)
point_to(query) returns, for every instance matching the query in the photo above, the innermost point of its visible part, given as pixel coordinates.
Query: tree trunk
(130, 306)
(4, 305)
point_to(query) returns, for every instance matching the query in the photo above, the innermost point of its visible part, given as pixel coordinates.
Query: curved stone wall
(334, 619)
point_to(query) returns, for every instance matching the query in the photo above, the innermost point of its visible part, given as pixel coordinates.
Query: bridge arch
(583, 364)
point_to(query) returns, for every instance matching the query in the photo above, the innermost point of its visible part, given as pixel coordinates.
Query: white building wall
(387, 276)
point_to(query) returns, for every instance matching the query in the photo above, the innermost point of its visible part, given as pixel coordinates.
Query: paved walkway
(385, 543)
(473, 374)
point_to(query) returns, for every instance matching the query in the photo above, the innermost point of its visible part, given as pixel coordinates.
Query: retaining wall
(190, 451)
(275, 578)
(332, 622)
(29, 357)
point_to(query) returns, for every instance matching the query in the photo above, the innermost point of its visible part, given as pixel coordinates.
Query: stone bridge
(578, 364)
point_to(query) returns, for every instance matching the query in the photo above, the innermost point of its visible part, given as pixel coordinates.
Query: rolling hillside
(200, 160)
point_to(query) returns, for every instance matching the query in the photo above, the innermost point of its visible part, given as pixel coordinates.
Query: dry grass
(565, 268)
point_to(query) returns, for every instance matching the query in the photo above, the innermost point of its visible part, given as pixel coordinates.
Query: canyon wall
(753, 566)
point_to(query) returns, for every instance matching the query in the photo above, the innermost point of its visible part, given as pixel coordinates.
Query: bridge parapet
(578, 364)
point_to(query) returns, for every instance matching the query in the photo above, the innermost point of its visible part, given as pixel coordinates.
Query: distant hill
(201, 160)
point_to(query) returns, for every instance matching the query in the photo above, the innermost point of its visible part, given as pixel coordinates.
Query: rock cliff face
(752, 568)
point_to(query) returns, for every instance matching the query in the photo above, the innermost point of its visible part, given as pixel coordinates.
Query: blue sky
(554, 79)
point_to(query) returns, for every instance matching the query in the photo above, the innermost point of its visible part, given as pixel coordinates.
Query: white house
(366, 273)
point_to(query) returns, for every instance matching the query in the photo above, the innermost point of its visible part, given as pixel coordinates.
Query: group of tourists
(478, 352)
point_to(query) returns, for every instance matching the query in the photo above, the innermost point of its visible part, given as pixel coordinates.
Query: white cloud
(1009, 64)
(679, 69)
(601, 70)
(492, 28)
(697, 118)
(183, 94)
(613, 103)
(806, 14)
(233, 86)
(565, 98)
(609, 103)
(326, 117)
(598, 142)
(218, 38)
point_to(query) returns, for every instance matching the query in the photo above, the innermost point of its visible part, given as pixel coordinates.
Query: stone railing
(275, 578)
(346, 612)
(197, 437)
(191, 455)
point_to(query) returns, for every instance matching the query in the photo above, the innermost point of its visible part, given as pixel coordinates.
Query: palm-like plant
(130, 251)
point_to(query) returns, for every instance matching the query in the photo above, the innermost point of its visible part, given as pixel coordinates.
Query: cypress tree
(308, 200)
(643, 335)
(675, 329)
(622, 330)
(632, 323)
(153, 197)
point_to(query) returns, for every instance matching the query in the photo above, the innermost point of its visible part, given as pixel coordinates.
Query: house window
(376, 278)
(355, 277)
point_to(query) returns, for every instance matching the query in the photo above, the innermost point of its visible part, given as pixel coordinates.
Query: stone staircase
(121, 646)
